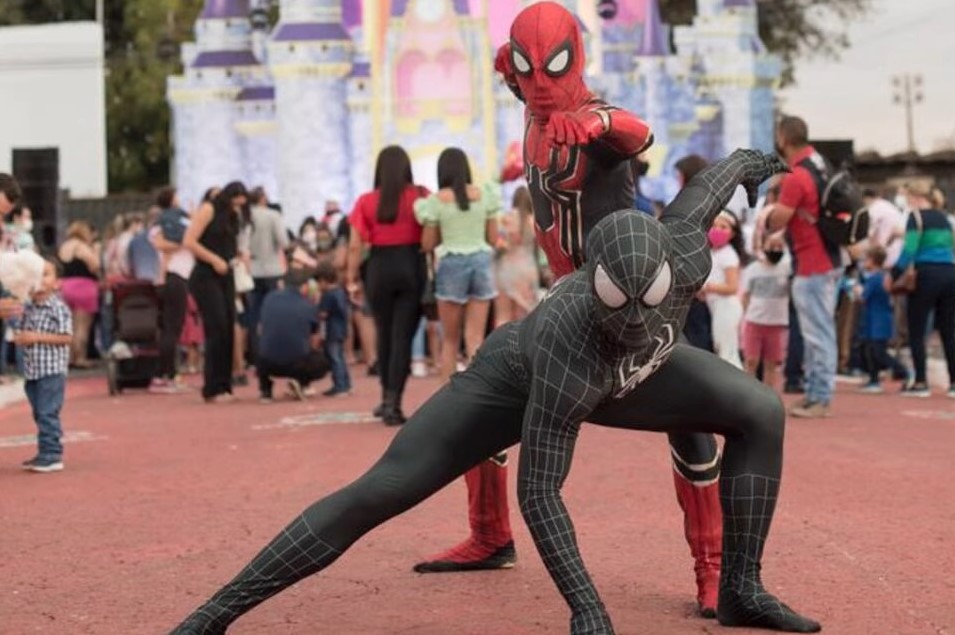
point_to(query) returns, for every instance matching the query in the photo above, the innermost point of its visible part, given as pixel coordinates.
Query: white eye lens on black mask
(660, 287)
(608, 292)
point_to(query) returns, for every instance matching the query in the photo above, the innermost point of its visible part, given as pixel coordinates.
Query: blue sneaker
(46, 465)
(872, 388)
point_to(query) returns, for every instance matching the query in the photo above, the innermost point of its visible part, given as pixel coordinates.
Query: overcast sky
(852, 97)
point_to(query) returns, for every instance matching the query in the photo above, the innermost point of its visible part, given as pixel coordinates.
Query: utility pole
(908, 94)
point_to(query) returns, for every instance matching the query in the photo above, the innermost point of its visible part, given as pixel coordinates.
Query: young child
(722, 286)
(333, 312)
(877, 323)
(766, 305)
(45, 335)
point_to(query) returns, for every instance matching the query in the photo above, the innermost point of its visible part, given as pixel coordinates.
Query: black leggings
(215, 296)
(935, 292)
(472, 418)
(396, 279)
(175, 296)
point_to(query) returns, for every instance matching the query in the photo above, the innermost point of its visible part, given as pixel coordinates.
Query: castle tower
(203, 99)
(311, 57)
(437, 85)
(361, 139)
(257, 138)
(737, 69)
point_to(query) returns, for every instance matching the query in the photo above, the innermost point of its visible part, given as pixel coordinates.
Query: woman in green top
(460, 220)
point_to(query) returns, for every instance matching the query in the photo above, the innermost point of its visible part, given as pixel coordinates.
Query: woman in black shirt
(212, 237)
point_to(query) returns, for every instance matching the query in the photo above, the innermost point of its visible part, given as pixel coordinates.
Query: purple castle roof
(256, 93)
(225, 9)
(399, 7)
(351, 13)
(219, 59)
(654, 42)
(361, 69)
(310, 32)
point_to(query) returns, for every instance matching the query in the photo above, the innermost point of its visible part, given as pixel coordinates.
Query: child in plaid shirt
(45, 335)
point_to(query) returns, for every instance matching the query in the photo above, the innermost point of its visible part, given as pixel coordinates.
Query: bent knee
(763, 414)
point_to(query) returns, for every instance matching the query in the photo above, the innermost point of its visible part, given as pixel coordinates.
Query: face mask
(774, 257)
(27, 225)
(719, 237)
(901, 201)
(310, 237)
(323, 244)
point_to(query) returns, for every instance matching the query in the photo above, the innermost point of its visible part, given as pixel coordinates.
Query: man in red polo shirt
(817, 265)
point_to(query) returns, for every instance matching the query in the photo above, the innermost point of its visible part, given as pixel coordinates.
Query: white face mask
(901, 201)
(27, 225)
(310, 237)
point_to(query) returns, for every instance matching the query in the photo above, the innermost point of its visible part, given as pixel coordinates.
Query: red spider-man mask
(547, 55)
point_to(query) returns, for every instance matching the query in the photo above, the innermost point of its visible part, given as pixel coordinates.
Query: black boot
(392, 414)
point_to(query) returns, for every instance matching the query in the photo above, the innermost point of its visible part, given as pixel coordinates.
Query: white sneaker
(419, 369)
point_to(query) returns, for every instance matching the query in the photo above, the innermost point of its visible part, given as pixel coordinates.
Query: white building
(52, 95)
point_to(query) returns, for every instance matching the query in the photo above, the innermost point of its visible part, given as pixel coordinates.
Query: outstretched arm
(708, 192)
(562, 393)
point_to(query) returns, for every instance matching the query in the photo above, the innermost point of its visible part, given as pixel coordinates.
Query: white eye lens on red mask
(521, 65)
(608, 292)
(559, 63)
(660, 287)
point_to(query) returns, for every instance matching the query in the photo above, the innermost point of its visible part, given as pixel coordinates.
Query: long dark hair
(392, 176)
(455, 173)
(223, 205)
(736, 242)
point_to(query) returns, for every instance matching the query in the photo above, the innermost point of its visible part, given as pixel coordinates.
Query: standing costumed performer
(578, 154)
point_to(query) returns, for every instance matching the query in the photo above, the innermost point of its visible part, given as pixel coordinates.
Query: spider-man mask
(547, 55)
(629, 257)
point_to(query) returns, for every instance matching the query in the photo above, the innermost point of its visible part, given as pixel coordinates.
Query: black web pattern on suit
(294, 554)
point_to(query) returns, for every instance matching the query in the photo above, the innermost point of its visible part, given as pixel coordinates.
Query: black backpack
(843, 216)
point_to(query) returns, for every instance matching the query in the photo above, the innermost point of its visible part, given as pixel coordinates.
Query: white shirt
(885, 221)
(768, 289)
(723, 258)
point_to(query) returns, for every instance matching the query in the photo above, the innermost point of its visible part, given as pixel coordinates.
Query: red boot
(703, 523)
(490, 545)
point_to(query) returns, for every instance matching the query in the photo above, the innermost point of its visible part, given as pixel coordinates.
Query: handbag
(907, 282)
(243, 279)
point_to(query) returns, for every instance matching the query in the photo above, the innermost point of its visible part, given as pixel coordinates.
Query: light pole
(908, 93)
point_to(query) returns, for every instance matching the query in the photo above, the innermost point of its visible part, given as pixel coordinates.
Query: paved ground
(164, 498)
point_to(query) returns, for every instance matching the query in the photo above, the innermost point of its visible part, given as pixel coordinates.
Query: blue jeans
(335, 352)
(46, 398)
(815, 301)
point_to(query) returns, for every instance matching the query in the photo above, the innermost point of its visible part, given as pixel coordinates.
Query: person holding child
(45, 335)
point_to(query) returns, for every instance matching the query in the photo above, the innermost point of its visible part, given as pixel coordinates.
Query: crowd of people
(411, 281)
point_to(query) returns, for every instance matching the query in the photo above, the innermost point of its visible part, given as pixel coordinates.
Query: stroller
(133, 358)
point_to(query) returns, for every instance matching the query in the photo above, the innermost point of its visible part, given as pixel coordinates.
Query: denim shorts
(460, 278)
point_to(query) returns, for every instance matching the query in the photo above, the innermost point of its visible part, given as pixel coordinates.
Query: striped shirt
(50, 316)
(932, 243)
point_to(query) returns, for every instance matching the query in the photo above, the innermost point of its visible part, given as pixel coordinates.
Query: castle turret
(203, 99)
(311, 57)
(737, 69)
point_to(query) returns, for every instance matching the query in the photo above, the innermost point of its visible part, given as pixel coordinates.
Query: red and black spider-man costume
(578, 154)
(602, 348)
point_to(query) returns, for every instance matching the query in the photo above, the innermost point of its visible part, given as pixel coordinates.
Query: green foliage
(39, 11)
(792, 29)
(143, 38)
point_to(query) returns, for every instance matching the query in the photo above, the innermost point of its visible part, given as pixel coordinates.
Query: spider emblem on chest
(631, 372)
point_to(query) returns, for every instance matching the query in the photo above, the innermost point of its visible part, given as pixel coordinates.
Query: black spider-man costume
(578, 154)
(602, 348)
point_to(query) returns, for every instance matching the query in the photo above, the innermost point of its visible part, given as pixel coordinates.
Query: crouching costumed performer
(600, 348)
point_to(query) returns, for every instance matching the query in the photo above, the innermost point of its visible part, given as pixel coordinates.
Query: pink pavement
(164, 498)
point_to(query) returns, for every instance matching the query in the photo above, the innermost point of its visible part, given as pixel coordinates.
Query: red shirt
(404, 231)
(798, 191)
